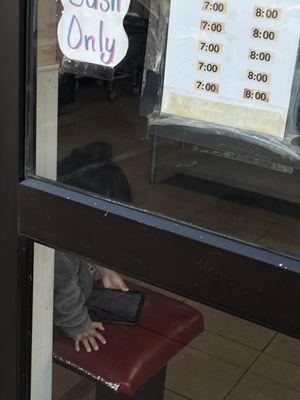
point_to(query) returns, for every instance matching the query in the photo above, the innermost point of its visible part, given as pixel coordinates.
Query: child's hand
(88, 338)
(112, 280)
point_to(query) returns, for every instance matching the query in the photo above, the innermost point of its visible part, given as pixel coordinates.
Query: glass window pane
(231, 358)
(102, 125)
(85, 315)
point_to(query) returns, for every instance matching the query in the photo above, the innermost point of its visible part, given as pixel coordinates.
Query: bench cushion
(133, 354)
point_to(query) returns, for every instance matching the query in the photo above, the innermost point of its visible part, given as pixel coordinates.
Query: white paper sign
(232, 62)
(92, 31)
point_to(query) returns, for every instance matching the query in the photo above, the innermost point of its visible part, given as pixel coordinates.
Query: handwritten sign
(232, 62)
(92, 31)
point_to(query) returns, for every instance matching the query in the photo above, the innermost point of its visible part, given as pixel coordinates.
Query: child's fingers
(100, 337)
(123, 286)
(99, 325)
(86, 345)
(77, 345)
(107, 283)
(93, 343)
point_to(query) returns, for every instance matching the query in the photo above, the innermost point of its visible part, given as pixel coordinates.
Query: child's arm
(72, 286)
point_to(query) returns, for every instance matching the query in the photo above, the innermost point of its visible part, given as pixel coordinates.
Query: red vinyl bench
(133, 362)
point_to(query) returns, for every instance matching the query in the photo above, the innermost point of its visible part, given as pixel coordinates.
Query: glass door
(104, 143)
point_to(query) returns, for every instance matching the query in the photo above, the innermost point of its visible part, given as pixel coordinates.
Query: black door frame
(263, 285)
(247, 281)
(15, 250)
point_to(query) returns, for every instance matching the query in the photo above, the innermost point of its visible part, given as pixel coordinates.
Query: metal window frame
(253, 283)
(248, 281)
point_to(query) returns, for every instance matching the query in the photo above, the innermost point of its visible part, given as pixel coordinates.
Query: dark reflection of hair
(91, 168)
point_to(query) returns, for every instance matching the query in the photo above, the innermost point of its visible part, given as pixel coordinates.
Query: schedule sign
(232, 62)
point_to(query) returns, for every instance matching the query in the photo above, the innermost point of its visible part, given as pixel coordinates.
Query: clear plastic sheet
(261, 147)
(86, 69)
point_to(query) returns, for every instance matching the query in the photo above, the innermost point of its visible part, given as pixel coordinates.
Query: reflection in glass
(229, 187)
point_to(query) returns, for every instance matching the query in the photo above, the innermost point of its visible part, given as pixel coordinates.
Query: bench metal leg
(152, 390)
